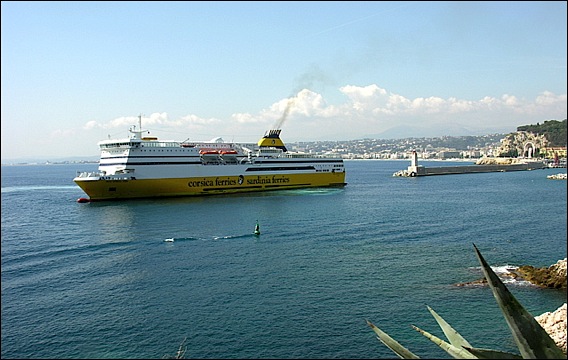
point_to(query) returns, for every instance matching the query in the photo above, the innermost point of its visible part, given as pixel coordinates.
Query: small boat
(257, 229)
(169, 240)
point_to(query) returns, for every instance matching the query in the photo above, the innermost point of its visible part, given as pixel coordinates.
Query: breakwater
(418, 170)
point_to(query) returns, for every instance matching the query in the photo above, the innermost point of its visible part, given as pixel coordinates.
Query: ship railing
(101, 175)
(317, 156)
(89, 174)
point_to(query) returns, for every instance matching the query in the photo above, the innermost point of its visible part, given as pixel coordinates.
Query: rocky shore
(560, 176)
(555, 325)
(553, 276)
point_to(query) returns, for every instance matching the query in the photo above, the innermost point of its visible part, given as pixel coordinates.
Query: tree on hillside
(553, 130)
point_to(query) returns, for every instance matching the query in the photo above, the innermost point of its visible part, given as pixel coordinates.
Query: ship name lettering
(279, 180)
(199, 183)
(268, 180)
(225, 182)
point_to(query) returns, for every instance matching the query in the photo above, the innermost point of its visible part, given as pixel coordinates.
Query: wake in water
(172, 239)
(311, 191)
(10, 189)
(233, 236)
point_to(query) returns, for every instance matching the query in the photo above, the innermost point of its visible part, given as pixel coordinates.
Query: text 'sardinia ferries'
(142, 166)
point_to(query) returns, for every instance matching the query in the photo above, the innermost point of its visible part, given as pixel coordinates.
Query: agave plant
(532, 340)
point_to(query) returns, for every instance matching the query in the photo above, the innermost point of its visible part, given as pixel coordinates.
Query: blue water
(97, 280)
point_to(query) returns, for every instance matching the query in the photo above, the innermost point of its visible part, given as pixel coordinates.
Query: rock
(552, 277)
(555, 323)
(473, 283)
(560, 176)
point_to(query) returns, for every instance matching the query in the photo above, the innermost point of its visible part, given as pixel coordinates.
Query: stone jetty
(483, 165)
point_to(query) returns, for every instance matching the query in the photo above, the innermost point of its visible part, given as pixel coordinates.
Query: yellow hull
(145, 188)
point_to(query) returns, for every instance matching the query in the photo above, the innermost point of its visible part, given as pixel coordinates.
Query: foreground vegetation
(532, 340)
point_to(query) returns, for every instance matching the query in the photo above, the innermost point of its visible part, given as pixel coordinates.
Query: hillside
(553, 130)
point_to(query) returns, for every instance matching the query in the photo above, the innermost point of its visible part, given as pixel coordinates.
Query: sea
(146, 278)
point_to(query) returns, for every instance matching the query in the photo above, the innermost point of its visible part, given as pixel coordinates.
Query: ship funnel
(272, 139)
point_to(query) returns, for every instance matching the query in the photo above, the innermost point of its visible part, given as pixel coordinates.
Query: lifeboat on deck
(209, 152)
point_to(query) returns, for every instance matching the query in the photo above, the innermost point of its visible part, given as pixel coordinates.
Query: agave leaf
(492, 354)
(532, 340)
(392, 344)
(453, 336)
(454, 351)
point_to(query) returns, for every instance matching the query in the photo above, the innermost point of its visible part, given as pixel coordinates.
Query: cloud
(194, 120)
(378, 101)
(245, 118)
(547, 98)
(91, 125)
(369, 109)
(121, 122)
(364, 111)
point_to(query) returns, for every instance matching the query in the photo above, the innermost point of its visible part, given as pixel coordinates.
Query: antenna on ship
(136, 134)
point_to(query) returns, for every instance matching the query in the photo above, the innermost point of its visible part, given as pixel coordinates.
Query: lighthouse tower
(415, 169)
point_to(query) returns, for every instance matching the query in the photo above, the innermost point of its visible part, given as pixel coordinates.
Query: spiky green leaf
(532, 340)
(454, 351)
(492, 354)
(453, 336)
(392, 344)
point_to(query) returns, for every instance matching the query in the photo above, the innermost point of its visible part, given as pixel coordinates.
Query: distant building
(471, 154)
(551, 152)
(448, 154)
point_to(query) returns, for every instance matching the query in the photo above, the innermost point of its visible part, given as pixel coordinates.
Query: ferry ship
(143, 167)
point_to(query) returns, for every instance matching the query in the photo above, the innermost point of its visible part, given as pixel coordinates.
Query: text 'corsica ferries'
(142, 166)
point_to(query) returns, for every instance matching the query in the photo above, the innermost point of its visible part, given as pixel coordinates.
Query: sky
(75, 73)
